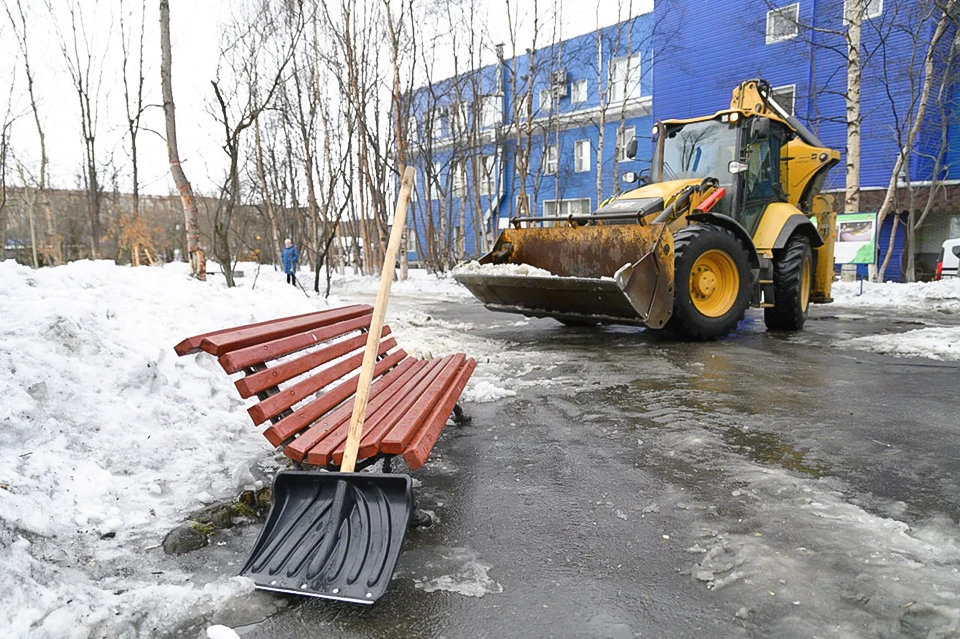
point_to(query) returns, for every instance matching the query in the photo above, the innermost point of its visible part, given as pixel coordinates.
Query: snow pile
(107, 438)
(942, 296)
(519, 270)
(941, 343)
(419, 282)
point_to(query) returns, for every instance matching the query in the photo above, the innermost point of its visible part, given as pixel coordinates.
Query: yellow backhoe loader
(723, 222)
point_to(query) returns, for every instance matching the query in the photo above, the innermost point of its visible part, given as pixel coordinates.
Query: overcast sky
(195, 28)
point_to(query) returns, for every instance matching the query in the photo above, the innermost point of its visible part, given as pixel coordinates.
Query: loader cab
(741, 151)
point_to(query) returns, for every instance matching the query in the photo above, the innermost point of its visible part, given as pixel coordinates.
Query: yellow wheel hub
(715, 283)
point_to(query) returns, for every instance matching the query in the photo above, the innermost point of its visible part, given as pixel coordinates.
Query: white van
(949, 259)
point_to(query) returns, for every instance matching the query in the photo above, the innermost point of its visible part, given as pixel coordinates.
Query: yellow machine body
(617, 265)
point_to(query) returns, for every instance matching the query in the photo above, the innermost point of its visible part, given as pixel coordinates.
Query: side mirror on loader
(759, 127)
(632, 148)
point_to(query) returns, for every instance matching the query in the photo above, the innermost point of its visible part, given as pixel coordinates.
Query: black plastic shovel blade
(332, 535)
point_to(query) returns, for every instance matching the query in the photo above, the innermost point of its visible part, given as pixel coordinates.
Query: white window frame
(436, 173)
(629, 132)
(551, 159)
(491, 111)
(411, 240)
(566, 205)
(546, 99)
(626, 87)
(791, 110)
(578, 95)
(459, 111)
(581, 156)
(772, 14)
(486, 174)
(436, 125)
(458, 179)
(526, 197)
(412, 129)
(866, 14)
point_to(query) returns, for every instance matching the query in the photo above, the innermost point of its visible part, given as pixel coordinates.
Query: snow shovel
(338, 535)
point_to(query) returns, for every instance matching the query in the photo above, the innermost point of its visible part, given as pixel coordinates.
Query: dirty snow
(108, 440)
(522, 270)
(941, 343)
(942, 296)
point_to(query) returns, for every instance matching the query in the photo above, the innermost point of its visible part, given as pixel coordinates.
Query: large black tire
(792, 283)
(696, 313)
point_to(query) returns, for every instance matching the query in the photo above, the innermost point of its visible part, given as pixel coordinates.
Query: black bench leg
(461, 418)
(420, 519)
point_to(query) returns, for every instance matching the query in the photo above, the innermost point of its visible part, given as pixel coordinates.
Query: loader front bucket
(610, 274)
(332, 535)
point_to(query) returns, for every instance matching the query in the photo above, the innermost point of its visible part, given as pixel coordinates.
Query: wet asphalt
(761, 485)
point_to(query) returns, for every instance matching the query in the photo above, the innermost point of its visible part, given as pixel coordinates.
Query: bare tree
(19, 23)
(191, 223)
(908, 129)
(85, 67)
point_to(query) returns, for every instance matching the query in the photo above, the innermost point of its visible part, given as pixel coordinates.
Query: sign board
(856, 238)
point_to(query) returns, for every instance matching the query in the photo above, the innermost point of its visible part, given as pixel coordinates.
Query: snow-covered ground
(108, 440)
(929, 299)
(918, 297)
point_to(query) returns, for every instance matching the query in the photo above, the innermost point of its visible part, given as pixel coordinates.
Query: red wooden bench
(299, 368)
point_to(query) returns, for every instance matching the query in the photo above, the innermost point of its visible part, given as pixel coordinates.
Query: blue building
(478, 134)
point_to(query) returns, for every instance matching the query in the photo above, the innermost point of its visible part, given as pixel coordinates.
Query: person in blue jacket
(291, 259)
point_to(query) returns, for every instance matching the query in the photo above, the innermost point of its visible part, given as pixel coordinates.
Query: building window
(954, 230)
(567, 207)
(783, 23)
(412, 129)
(459, 176)
(523, 205)
(546, 99)
(435, 177)
(625, 78)
(786, 97)
(490, 111)
(581, 156)
(871, 9)
(629, 133)
(459, 119)
(486, 174)
(411, 240)
(437, 125)
(550, 160)
(578, 92)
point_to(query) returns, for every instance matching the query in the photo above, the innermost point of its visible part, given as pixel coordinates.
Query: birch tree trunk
(198, 266)
(854, 73)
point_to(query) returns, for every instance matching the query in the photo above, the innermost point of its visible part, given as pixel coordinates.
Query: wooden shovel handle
(376, 325)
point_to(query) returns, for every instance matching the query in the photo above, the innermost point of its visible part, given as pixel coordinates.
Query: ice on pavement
(108, 440)
(457, 570)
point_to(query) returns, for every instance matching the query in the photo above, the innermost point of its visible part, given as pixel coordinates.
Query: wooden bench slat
(378, 426)
(419, 448)
(306, 415)
(299, 447)
(264, 352)
(244, 337)
(376, 414)
(395, 442)
(285, 399)
(191, 345)
(336, 425)
(258, 382)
